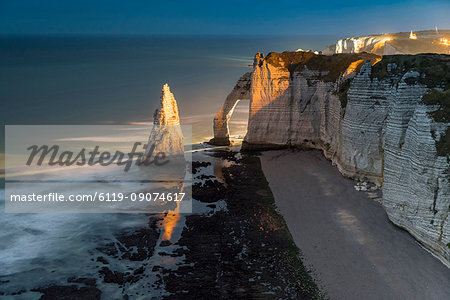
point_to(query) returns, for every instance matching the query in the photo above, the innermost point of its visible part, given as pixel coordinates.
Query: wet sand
(355, 252)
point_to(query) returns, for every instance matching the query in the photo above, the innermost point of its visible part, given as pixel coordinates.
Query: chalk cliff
(384, 121)
(167, 113)
(166, 133)
(427, 41)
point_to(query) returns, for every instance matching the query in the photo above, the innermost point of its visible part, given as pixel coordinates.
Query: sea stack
(166, 134)
(167, 114)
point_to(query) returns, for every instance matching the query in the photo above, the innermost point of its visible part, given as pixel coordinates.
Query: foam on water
(37, 249)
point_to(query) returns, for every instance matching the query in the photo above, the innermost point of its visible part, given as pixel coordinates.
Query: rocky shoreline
(245, 250)
(238, 245)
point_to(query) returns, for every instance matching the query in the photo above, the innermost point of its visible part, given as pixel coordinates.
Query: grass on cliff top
(443, 145)
(287, 59)
(433, 68)
(335, 64)
(436, 97)
(424, 44)
(442, 114)
(342, 92)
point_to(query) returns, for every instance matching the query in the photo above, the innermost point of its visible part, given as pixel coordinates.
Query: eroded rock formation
(166, 133)
(167, 113)
(241, 91)
(374, 119)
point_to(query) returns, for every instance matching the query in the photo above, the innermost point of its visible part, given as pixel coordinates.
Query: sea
(101, 80)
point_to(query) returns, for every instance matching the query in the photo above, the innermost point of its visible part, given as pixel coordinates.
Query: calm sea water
(108, 80)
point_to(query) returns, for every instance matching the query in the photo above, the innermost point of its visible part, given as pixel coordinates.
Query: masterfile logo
(97, 169)
(95, 156)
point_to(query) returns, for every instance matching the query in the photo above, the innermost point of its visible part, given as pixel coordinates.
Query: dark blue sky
(220, 17)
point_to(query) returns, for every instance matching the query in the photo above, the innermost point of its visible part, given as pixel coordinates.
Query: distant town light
(445, 41)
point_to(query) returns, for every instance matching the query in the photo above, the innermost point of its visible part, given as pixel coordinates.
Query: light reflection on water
(170, 222)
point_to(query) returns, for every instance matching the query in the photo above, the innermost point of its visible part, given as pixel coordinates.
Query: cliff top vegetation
(332, 66)
(441, 98)
(434, 69)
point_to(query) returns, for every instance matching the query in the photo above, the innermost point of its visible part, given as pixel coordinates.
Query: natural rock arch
(241, 91)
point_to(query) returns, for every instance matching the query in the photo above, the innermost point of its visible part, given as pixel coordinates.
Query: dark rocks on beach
(108, 249)
(120, 278)
(223, 154)
(165, 243)
(196, 165)
(134, 246)
(102, 260)
(245, 251)
(201, 177)
(83, 280)
(110, 276)
(210, 191)
(157, 268)
(143, 240)
(139, 271)
(70, 292)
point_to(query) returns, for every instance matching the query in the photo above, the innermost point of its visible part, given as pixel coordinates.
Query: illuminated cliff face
(430, 41)
(167, 114)
(361, 44)
(167, 130)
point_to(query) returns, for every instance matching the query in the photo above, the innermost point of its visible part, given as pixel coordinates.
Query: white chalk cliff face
(166, 133)
(167, 113)
(369, 118)
(427, 41)
(357, 44)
